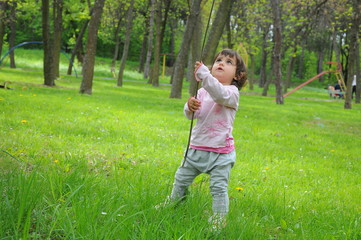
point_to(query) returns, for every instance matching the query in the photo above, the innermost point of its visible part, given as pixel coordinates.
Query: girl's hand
(193, 104)
(196, 66)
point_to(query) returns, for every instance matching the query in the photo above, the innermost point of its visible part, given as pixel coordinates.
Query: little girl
(212, 145)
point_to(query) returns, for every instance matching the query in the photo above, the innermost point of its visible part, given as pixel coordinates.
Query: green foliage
(93, 167)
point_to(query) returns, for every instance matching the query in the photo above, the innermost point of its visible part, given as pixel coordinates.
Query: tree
(58, 26)
(89, 60)
(126, 43)
(354, 65)
(3, 17)
(195, 55)
(51, 40)
(150, 40)
(216, 31)
(180, 63)
(49, 72)
(277, 32)
(161, 21)
(12, 24)
(78, 45)
(80, 23)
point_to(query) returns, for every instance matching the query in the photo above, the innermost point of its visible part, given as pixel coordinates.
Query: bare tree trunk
(150, 41)
(130, 17)
(160, 26)
(89, 60)
(12, 36)
(269, 80)
(178, 73)
(263, 74)
(49, 74)
(117, 43)
(251, 72)
(291, 62)
(216, 30)
(143, 53)
(195, 54)
(358, 73)
(320, 60)
(78, 46)
(277, 31)
(58, 22)
(353, 68)
(3, 7)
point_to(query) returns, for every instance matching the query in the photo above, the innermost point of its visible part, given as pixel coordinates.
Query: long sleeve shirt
(215, 118)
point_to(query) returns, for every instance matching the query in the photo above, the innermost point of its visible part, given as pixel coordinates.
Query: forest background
(283, 42)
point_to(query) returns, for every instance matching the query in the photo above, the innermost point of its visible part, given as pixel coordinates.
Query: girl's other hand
(193, 104)
(197, 65)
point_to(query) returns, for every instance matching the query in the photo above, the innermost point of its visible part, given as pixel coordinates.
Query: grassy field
(93, 167)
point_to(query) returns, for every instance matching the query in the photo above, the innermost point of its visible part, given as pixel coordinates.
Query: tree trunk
(143, 53)
(117, 43)
(3, 7)
(263, 73)
(58, 22)
(353, 68)
(277, 31)
(251, 72)
(49, 74)
(320, 60)
(150, 41)
(77, 48)
(291, 63)
(180, 63)
(268, 82)
(12, 36)
(196, 55)
(160, 26)
(358, 72)
(89, 60)
(216, 31)
(130, 17)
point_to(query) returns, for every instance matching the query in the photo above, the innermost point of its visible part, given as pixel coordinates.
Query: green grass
(93, 167)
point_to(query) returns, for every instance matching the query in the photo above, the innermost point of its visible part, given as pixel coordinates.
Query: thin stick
(196, 90)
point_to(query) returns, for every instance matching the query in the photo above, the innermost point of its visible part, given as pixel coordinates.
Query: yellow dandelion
(56, 161)
(2, 99)
(24, 121)
(69, 98)
(266, 168)
(21, 95)
(239, 188)
(332, 150)
(34, 95)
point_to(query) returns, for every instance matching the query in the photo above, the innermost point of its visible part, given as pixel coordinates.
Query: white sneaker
(166, 202)
(217, 223)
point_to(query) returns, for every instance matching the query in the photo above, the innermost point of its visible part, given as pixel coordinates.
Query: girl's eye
(219, 60)
(230, 62)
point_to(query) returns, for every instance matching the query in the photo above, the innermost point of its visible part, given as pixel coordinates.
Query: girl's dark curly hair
(241, 69)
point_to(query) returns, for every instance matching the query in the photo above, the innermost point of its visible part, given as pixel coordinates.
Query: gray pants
(217, 165)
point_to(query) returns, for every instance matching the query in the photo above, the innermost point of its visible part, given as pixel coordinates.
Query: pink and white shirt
(215, 118)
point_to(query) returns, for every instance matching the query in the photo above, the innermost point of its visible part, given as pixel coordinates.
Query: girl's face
(224, 69)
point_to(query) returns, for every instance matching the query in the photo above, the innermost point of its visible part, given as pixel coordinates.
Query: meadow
(75, 166)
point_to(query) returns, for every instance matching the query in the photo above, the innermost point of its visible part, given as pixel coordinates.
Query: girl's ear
(240, 76)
